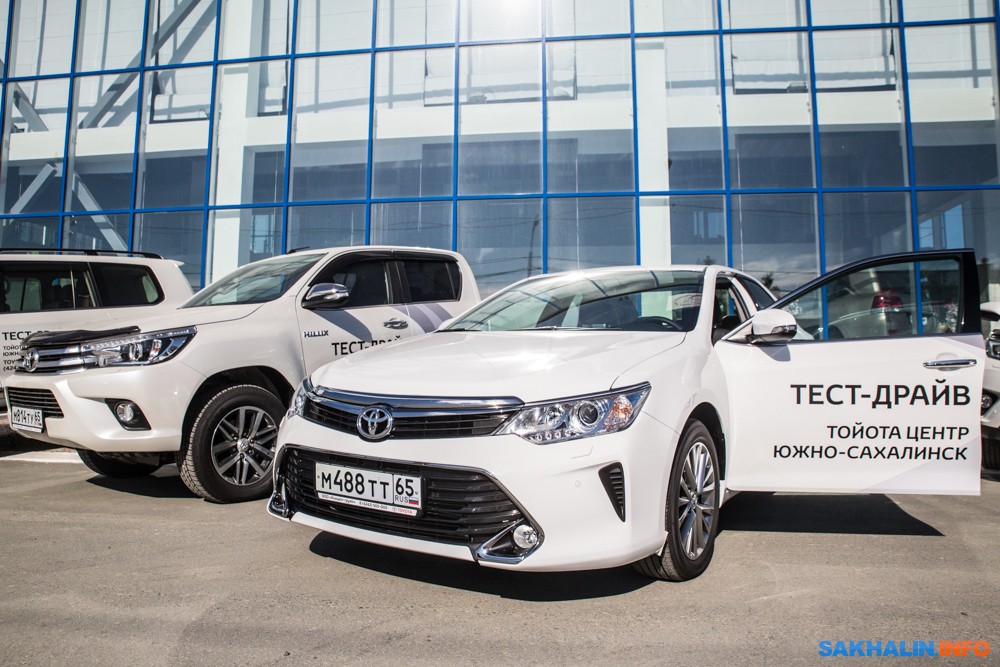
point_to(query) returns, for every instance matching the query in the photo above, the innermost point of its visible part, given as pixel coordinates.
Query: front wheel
(692, 509)
(120, 466)
(229, 451)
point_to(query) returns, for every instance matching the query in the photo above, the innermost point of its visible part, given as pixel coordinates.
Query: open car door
(877, 392)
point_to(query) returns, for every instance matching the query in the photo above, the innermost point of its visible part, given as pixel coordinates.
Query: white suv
(47, 290)
(208, 383)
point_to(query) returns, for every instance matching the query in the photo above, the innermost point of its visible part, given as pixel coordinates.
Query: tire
(991, 454)
(228, 453)
(120, 465)
(692, 509)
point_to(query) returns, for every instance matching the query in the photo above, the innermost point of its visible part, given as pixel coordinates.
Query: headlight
(580, 417)
(298, 403)
(993, 347)
(137, 350)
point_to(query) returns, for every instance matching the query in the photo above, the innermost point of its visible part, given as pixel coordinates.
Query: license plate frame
(26, 419)
(338, 484)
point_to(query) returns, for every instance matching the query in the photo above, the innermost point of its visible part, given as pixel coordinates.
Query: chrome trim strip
(417, 406)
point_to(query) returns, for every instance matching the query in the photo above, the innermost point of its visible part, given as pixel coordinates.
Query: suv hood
(529, 365)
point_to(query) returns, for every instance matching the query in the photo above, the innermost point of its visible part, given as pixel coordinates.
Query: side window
(126, 285)
(366, 280)
(903, 299)
(32, 287)
(432, 280)
(728, 311)
(761, 297)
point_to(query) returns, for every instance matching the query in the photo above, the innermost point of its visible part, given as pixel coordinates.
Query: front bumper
(86, 420)
(555, 488)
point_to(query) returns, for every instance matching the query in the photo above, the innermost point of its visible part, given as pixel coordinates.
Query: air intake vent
(613, 479)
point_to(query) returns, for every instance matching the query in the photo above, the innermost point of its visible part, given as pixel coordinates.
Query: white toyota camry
(599, 418)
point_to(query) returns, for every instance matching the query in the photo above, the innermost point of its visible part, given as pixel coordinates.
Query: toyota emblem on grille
(29, 359)
(375, 422)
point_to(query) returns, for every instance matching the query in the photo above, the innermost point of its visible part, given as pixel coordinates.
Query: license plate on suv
(26, 419)
(385, 492)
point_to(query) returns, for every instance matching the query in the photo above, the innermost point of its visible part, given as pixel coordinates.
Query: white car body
(798, 415)
(266, 342)
(991, 387)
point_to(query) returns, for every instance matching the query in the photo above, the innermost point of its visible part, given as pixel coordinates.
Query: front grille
(58, 360)
(410, 423)
(42, 399)
(459, 506)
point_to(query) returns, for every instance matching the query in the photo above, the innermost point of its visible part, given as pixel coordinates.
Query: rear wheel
(692, 509)
(991, 454)
(230, 448)
(120, 465)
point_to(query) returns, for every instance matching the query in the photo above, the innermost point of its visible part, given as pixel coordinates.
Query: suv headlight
(298, 403)
(578, 417)
(139, 349)
(993, 346)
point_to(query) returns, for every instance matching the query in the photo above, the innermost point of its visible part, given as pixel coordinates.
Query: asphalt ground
(140, 572)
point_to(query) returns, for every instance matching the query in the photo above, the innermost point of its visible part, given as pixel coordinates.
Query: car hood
(529, 365)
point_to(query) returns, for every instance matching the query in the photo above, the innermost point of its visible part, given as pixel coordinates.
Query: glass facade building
(782, 137)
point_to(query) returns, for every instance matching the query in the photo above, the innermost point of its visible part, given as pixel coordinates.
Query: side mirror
(772, 326)
(325, 295)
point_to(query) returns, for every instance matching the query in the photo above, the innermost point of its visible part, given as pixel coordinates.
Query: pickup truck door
(879, 391)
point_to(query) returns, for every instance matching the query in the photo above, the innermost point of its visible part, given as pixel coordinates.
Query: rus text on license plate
(26, 419)
(386, 492)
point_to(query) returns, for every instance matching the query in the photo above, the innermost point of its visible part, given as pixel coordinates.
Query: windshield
(634, 300)
(255, 283)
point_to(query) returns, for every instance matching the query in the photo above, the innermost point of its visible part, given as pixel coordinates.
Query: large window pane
(100, 231)
(240, 236)
(103, 143)
(586, 17)
(175, 234)
(181, 31)
(964, 219)
(680, 113)
(326, 226)
(590, 116)
(591, 231)
(330, 145)
(34, 138)
(931, 10)
(862, 140)
(685, 229)
(953, 94)
(175, 147)
(675, 15)
(414, 123)
(425, 224)
(483, 20)
(500, 142)
(29, 233)
(764, 13)
(405, 22)
(254, 28)
(839, 12)
(860, 225)
(334, 26)
(110, 35)
(249, 163)
(769, 112)
(42, 31)
(501, 239)
(775, 239)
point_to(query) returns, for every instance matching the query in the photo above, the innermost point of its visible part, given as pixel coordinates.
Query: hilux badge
(375, 423)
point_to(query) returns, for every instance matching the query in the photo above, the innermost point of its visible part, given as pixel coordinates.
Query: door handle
(944, 364)
(396, 324)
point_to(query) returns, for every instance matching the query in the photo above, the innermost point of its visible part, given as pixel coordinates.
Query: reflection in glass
(240, 236)
(500, 119)
(838, 12)
(590, 116)
(684, 229)
(330, 142)
(680, 113)
(325, 226)
(769, 113)
(414, 123)
(586, 17)
(426, 224)
(34, 136)
(591, 232)
(334, 26)
(953, 92)
(483, 20)
(110, 35)
(764, 13)
(29, 233)
(675, 15)
(862, 139)
(933, 10)
(254, 28)
(501, 239)
(860, 225)
(181, 31)
(175, 234)
(41, 31)
(775, 239)
(100, 231)
(964, 219)
(408, 22)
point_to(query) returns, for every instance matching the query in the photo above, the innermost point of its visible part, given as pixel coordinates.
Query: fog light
(525, 537)
(125, 411)
(128, 414)
(987, 402)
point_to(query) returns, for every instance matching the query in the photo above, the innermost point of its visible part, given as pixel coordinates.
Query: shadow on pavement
(823, 514)
(161, 485)
(527, 586)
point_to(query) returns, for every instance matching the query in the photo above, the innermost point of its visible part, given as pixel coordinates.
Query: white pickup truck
(208, 383)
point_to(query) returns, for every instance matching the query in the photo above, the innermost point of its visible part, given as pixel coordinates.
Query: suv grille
(34, 398)
(459, 506)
